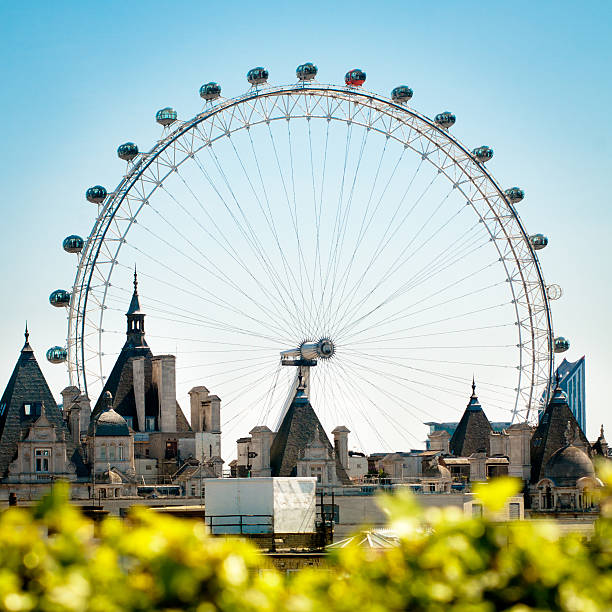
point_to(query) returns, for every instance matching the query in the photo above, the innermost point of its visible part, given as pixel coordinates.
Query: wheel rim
(362, 113)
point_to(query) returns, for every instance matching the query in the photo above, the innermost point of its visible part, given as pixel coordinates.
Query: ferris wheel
(327, 223)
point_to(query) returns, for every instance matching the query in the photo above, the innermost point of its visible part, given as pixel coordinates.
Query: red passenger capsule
(355, 77)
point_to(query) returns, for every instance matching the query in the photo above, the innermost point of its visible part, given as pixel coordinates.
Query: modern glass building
(572, 381)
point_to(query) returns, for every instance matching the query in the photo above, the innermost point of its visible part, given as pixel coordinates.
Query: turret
(135, 319)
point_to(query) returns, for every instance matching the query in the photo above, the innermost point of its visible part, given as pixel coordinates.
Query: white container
(260, 505)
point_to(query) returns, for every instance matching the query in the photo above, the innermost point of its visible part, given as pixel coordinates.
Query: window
(103, 452)
(514, 511)
(171, 449)
(317, 472)
(193, 490)
(111, 452)
(42, 456)
(476, 510)
(31, 409)
(120, 453)
(150, 423)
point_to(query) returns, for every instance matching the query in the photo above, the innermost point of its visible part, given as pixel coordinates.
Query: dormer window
(31, 409)
(41, 458)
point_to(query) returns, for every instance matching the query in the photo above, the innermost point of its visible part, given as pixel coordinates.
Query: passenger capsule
(482, 154)
(96, 194)
(59, 298)
(561, 344)
(73, 244)
(210, 91)
(127, 151)
(257, 76)
(166, 116)
(446, 120)
(538, 241)
(554, 292)
(355, 77)
(57, 354)
(306, 72)
(514, 194)
(401, 94)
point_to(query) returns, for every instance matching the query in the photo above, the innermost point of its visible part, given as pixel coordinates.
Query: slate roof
(299, 427)
(472, 433)
(191, 469)
(601, 445)
(109, 423)
(28, 385)
(567, 465)
(549, 435)
(120, 383)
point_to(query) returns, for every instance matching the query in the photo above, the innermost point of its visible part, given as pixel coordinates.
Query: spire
(474, 404)
(135, 303)
(601, 431)
(473, 431)
(26, 346)
(135, 318)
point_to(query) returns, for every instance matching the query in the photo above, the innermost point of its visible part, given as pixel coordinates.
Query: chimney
(341, 444)
(261, 442)
(198, 396)
(138, 376)
(164, 378)
(85, 405)
(439, 441)
(74, 423)
(213, 414)
(69, 396)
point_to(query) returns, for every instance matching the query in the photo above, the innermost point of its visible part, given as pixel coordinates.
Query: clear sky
(533, 80)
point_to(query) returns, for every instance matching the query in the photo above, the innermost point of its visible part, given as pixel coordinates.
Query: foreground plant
(52, 559)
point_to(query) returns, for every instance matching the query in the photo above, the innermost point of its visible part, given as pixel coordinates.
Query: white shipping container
(261, 505)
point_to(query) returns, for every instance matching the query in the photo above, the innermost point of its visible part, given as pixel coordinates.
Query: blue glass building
(572, 381)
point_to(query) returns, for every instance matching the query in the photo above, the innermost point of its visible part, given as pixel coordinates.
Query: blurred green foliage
(52, 559)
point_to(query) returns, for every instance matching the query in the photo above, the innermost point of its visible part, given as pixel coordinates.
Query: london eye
(323, 223)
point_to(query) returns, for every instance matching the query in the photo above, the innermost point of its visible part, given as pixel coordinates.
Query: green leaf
(495, 493)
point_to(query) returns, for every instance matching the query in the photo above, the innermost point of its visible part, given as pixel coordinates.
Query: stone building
(143, 387)
(562, 473)
(37, 445)
(300, 447)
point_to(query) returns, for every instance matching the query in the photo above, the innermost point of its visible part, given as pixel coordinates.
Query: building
(300, 447)
(143, 387)
(572, 381)
(37, 445)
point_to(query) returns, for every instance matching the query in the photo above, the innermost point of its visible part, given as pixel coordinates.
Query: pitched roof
(549, 435)
(300, 425)
(120, 383)
(27, 385)
(472, 433)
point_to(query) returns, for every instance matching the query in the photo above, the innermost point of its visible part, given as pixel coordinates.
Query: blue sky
(532, 80)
